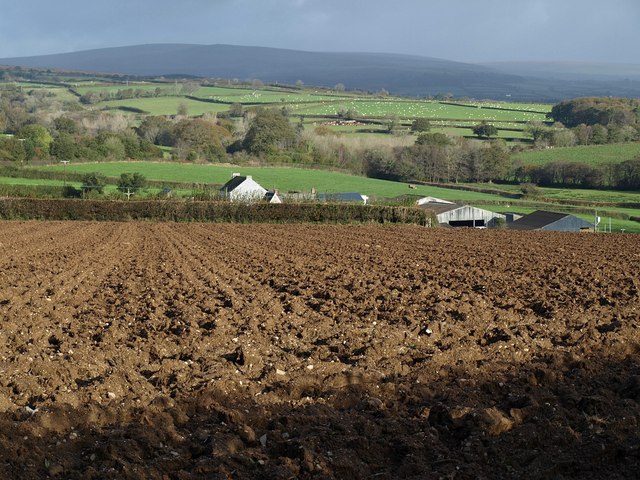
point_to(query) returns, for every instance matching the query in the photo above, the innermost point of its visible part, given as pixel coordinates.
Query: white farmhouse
(243, 188)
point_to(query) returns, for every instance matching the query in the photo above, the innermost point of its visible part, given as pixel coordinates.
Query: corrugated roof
(536, 220)
(439, 208)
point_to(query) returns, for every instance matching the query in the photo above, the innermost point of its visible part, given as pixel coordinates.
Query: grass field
(34, 181)
(146, 87)
(591, 154)
(282, 178)
(165, 105)
(589, 195)
(251, 96)
(417, 108)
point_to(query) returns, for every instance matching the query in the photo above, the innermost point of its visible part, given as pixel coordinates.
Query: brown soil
(184, 351)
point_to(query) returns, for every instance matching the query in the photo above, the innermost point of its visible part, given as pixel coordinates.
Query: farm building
(511, 216)
(347, 197)
(243, 189)
(272, 197)
(551, 221)
(423, 200)
(455, 215)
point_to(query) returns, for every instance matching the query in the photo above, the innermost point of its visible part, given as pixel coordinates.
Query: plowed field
(184, 351)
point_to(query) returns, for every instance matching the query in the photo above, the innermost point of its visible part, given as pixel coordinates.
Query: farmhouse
(346, 197)
(551, 221)
(456, 215)
(243, 189)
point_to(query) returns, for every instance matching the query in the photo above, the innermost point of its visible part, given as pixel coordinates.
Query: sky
(460, 30)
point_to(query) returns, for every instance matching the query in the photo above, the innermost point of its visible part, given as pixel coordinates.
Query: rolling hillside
(399, 74)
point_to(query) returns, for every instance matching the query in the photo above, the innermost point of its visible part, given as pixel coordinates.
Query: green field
(587, 195)
(165, 105)
(417, 108)
(282, 178)
(252, 96)
(112, 89)
(35, 181)
(591, 154)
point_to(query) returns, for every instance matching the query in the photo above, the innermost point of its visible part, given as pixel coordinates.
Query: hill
(399, 74)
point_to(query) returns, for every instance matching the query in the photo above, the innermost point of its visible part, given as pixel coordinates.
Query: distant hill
(399, 74)
(580, 71)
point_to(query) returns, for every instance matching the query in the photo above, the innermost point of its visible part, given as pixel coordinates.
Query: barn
(456, 215)
(551, 221)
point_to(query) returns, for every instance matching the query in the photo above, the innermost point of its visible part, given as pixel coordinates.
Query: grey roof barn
(551, 221)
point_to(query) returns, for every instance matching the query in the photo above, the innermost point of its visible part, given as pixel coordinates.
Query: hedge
(208, 211)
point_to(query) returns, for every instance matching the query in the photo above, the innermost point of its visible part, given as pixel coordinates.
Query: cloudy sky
(462, 30)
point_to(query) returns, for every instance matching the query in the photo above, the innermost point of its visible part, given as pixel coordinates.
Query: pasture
(284, 179)
(164, 105)
(419, 108)
(591, 154)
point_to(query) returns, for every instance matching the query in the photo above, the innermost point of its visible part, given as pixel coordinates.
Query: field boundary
(208, 211)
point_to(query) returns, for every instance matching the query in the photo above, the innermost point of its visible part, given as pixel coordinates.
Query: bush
(530, 190)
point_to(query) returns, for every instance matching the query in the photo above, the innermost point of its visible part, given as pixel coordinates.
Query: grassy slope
(165, 105)
(591, 154)
(283, 178)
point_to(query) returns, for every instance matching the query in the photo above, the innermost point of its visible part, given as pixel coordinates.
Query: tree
(348, 113)
(386, 165)
(536, 130)
(421, 125)
(64, 147)
(157, 130)
(199, 138)
(495, 161)
(131, 182)
(627, 174)
(484, 130)
(12, 149)
(604, 111)
(391, 122)
(437, 139)
(183, 109)
(189, 88)
(236, 110)
(37, 140)
(65, 125)
(93, 182)
(268, 132)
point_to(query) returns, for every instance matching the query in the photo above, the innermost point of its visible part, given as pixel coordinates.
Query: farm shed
(243, 189)
(551, 221)
(423, 200)
(455, 215)
(511, 216)
(272, 197)
(346, 197)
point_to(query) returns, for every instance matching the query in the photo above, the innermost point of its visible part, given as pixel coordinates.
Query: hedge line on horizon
(202, 211)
